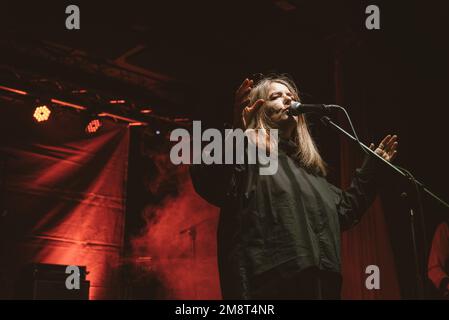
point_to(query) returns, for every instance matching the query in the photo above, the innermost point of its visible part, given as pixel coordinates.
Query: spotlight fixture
(24, 93)
(41, 113)
(93, 126)
(118, 101)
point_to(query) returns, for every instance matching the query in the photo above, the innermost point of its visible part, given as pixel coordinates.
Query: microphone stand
(192, 232)
(419, 274)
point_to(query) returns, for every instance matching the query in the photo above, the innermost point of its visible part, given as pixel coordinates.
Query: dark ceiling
(179, 55)
(186, 58)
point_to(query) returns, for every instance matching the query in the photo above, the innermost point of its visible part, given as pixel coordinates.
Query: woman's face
(277, 103)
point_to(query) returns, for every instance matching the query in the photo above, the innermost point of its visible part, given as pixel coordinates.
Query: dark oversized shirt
(288, 221)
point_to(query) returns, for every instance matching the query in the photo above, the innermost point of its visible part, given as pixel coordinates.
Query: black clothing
(283, 223)
(308, 284)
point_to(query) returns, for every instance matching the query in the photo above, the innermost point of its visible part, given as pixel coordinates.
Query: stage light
(79, 91)
(24, 93)
(41, 113)
(68, 104)
(131, 122)
(117, 101)
(93, 126)
(158, 132)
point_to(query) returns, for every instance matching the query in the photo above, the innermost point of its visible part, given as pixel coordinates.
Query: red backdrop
(64, 194)
(367, 243)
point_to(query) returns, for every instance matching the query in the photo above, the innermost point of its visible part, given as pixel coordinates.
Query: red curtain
(367, 243)
(64, 197)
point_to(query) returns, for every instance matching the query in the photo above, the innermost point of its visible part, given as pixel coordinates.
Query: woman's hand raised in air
(243, 111)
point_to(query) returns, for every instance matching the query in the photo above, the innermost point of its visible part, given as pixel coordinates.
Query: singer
(279, 235)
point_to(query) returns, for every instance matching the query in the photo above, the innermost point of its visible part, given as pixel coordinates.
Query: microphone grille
(295, 104)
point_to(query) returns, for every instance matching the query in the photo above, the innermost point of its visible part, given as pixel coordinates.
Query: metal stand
(192, 232)
(419, 186)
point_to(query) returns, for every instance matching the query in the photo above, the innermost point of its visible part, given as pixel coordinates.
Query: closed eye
(279, 94)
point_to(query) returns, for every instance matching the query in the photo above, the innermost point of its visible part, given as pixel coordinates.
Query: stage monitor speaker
(48, 282)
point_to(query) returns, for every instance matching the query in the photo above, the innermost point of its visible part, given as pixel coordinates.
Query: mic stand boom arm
(327, 121)
(419, 274)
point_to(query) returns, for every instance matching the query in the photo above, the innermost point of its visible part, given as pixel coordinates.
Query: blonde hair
(306, 153)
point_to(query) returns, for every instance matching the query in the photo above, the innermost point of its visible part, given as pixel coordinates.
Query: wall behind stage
(63, 196)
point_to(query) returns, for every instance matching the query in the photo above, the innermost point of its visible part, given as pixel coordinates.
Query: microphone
(297, 108)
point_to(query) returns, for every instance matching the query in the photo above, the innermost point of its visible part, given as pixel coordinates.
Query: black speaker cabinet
(48, 282)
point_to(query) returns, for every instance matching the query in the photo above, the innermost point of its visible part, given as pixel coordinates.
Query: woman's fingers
(242, 86)
(391, 142)
(243, 94)
(249, 112)
(391, 147)
(387, 148)
(394, 146)
(383, 143)
(256, 105)
(243, 90)
(242, 110)
(393, 155)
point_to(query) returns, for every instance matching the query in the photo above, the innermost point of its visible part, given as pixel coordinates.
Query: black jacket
(290, 220)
